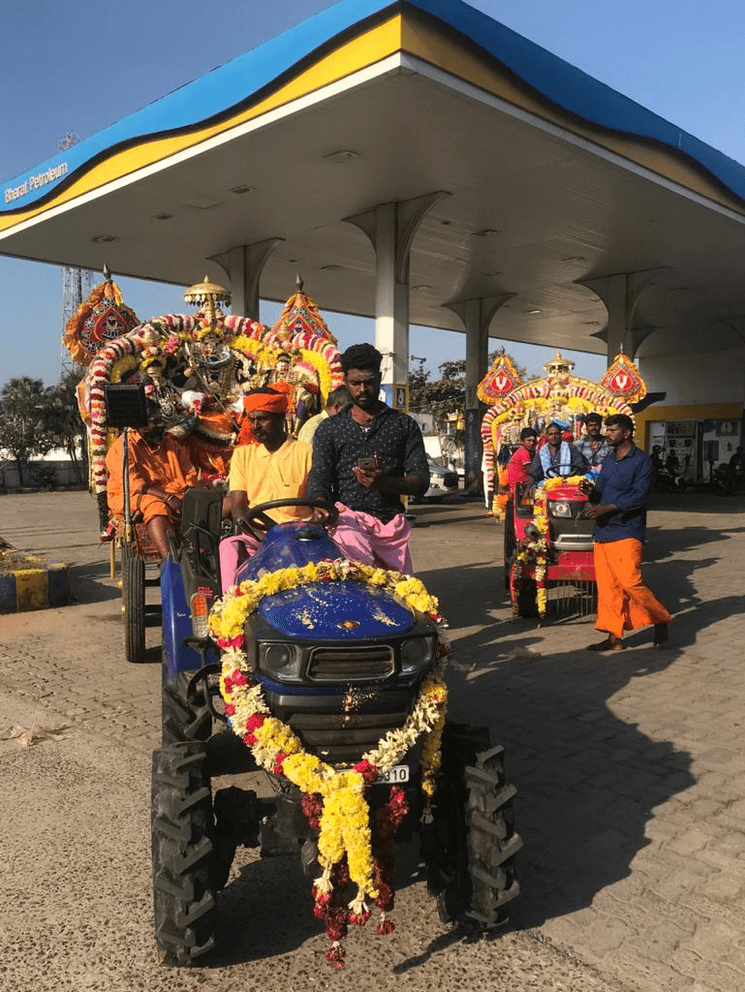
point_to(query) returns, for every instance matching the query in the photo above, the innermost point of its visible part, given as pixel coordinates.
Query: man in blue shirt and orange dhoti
(618, 504)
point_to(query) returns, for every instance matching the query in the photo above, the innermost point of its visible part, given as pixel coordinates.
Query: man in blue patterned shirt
(364, 459)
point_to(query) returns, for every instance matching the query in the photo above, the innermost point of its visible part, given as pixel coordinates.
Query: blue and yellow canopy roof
(554, 180)
(335, 43)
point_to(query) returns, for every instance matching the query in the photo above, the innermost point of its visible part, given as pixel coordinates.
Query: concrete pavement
(630, 767)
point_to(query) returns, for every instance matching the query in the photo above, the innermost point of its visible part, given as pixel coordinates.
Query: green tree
(23, 427)
(445, 395)
(64, 423)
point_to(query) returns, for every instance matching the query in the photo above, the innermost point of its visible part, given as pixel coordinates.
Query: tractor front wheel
(471, 842)
(523, 593)
(184, 860)
(185, 716)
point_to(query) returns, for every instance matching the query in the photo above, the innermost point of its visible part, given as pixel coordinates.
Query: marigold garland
(334, 800)
(535, 551)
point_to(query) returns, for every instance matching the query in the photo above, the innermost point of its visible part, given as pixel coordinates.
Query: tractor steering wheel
(258, 523)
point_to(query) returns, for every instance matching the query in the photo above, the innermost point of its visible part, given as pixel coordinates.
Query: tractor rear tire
(184, 861)
(133, 605)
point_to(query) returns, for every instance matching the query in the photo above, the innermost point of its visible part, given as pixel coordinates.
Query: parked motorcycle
(722, 479)
(668, 481)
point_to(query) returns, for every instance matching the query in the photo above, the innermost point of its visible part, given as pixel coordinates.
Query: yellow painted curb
(32, 589)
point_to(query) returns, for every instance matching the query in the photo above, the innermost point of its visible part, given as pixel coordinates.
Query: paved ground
(630, 767)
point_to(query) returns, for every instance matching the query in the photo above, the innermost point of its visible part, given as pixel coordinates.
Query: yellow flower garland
(321, 366)
(345, 820)
(537, 549)
(228, 614)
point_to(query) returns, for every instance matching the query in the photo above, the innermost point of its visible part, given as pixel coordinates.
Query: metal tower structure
(76, 284)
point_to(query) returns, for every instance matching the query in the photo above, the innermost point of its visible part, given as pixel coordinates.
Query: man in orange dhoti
(618, 501)
(160, 472)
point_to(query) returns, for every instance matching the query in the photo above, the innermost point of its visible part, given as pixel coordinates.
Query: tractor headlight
(416, 654)
(560, 508)
(280, 660)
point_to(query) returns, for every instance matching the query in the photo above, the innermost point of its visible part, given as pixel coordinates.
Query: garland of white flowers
(344, 825)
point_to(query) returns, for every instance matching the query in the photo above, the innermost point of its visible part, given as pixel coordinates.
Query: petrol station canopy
(544, 184)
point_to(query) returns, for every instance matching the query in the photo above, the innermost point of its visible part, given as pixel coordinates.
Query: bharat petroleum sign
(35, 182)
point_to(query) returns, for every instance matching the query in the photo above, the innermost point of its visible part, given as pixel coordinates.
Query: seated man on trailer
(593, 446)
(522, 458)
(160, 472)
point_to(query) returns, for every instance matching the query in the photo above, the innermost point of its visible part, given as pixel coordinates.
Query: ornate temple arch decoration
(558, 396)
(98, 320)
(196, 369)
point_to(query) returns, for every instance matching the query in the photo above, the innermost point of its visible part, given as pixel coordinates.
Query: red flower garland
(332, 907)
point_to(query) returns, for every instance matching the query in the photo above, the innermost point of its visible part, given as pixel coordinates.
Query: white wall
(63, 468)
(706, 377)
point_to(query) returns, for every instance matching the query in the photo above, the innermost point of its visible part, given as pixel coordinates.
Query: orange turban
(270, 402)
(276, 402)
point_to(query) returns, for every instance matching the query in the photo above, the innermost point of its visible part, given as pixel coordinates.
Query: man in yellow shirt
(272, 465)
(269, 465)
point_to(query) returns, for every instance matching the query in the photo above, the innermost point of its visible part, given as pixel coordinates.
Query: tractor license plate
(393, 776)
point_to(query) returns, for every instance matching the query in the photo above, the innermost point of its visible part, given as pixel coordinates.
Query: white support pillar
(391, 228)
(243, 266)
(620, 293)
(476, 316)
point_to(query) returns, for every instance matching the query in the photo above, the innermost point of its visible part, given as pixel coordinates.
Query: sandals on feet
(660, 635)
(607, 645)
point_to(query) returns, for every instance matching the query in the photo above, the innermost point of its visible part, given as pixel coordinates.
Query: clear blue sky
(78, 67)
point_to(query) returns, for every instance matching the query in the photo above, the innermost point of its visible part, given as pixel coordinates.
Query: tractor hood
(339, 610)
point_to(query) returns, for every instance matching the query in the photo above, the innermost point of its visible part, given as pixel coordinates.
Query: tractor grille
(341, 727)
(350, 663)
(342, 738)
(572, 598)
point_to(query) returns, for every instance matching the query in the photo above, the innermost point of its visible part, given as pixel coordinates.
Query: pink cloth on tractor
(359, 537)
(229, 553)
(367, 540)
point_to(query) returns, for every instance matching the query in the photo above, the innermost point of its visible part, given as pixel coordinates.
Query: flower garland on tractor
(354, 845)
(535, 550)
(530, 551)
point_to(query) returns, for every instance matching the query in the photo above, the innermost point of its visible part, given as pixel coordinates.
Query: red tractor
(548, 557)
(548, 544)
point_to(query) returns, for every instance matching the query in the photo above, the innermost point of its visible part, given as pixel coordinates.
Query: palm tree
(64, 423)
(23, 427)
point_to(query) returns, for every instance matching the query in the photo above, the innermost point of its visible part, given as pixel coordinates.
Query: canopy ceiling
(552, 180)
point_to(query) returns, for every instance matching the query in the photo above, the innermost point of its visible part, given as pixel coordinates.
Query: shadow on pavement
(265, 911)
(87, 583)
(697, 502)
(588, 781)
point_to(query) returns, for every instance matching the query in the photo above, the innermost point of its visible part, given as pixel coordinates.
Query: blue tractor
(310, 649)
